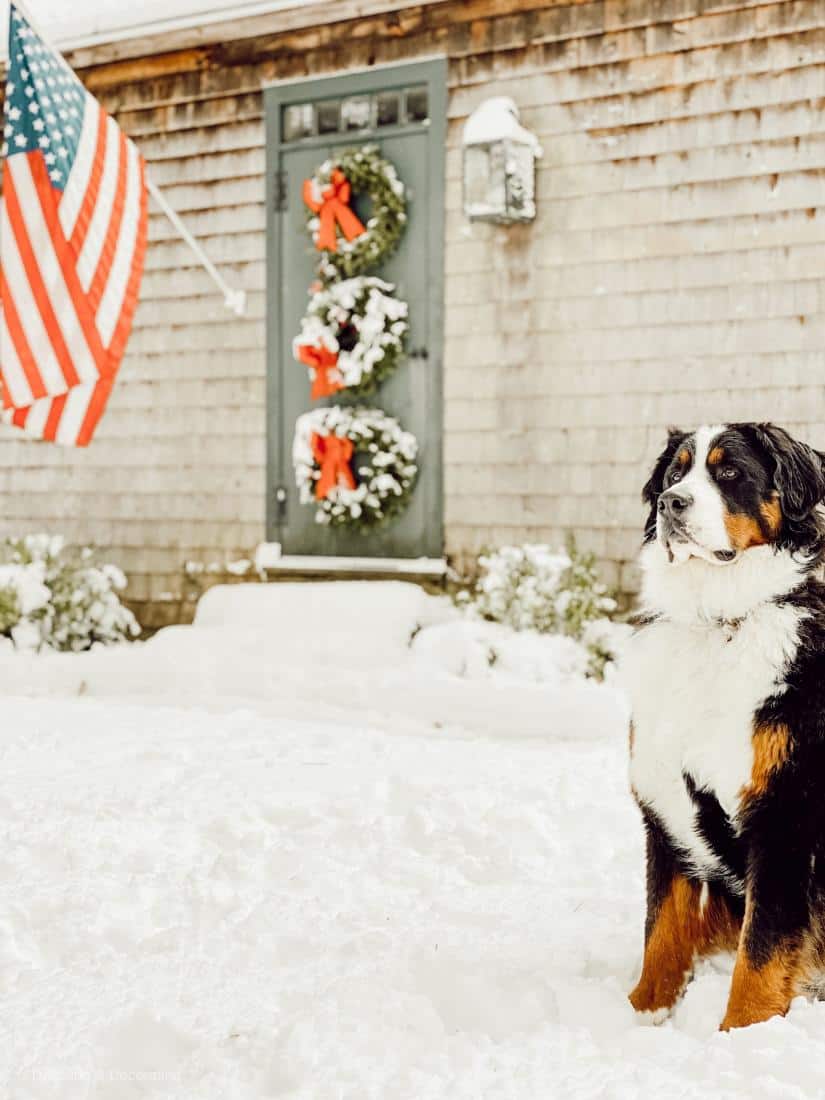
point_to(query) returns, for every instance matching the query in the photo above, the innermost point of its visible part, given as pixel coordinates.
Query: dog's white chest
(694, 690)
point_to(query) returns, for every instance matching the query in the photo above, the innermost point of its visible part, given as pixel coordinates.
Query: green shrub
(533, 587)
(51, 597)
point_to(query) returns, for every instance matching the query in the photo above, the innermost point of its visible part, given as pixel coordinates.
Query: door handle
(418, 353)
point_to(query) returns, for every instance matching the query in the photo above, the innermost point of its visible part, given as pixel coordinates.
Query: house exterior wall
(674, 274)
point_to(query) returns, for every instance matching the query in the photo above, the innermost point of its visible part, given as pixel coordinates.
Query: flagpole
(233, 299)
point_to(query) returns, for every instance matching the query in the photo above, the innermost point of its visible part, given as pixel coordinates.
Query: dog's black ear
(655, 483)
(799, 474)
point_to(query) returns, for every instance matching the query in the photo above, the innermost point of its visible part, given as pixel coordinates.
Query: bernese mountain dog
(726, 678)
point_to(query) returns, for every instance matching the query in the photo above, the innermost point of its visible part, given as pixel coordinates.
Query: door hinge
(281, 499)
(281, 192)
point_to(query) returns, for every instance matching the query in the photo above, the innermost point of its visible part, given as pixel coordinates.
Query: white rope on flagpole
(233, 299)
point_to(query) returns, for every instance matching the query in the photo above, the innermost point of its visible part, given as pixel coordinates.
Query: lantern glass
(499, 182)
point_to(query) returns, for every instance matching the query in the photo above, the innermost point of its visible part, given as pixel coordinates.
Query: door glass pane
(387, 109)
(328, 116)
(299, 121)
(355, 112)
(417, 105)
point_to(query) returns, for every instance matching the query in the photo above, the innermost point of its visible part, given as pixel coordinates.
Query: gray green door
(402, 110)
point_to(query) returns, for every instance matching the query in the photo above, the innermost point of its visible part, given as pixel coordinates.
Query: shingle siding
(674, 273)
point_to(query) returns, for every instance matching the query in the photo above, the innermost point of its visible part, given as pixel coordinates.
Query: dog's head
(718, 492)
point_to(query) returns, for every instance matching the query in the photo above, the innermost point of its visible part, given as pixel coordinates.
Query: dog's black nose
(674, 502)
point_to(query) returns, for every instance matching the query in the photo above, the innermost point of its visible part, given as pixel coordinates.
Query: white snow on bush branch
(533, 587)
(51, 598)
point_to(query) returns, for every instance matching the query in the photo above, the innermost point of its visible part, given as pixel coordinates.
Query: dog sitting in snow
(726, 675)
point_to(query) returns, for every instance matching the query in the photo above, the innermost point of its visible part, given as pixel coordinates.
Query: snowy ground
(279, 855)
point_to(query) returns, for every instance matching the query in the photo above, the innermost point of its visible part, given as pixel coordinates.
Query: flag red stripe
(53, 419)
(97, 406)
(67, 264)
(20, 416)
(38, 288)
(84, 218)
(107, 254)
(21, 344)
(130, 298)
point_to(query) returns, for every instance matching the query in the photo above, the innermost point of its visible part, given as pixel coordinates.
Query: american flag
(72, 244)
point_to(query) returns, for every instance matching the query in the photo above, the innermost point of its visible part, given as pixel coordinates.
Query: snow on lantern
(499, 164)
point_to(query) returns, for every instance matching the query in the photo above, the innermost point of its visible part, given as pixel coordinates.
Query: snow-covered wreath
(357, 465)
(352, 336)
(348, 246)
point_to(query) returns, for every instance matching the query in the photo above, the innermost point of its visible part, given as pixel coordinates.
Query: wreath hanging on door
(356, 465)
(352, 336)
(349, 247)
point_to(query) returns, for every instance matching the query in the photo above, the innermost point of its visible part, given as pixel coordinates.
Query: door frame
(433, 73)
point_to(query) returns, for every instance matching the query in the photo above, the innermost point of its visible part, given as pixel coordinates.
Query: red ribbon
(333, 453)
(326, 378)
(333, 207)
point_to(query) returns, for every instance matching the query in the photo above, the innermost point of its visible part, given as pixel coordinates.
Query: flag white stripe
(13, 373)
(74, 412)
(78, 182)
(51, 273)
(102, 213)
(17, 282)
(108, 313)
(38, 415)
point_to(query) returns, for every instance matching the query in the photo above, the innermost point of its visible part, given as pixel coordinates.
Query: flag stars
(41, 103)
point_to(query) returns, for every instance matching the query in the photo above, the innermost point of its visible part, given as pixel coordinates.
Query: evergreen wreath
(361, 326)
(356, 465)
(367, 173)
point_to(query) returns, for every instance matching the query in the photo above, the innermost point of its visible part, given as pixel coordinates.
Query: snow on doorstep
(298, 864)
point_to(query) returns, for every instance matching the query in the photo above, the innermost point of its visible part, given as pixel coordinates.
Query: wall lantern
(499, 164)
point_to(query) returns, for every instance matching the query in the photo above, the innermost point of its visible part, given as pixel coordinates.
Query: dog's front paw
(655, 996)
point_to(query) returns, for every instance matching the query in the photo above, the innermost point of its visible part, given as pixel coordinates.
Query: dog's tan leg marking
(684, 929)
(759, 992)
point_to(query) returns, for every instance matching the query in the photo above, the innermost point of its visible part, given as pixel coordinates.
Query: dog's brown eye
(728, 473)
(675, 476)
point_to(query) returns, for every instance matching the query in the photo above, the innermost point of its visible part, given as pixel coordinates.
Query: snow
(318, 847)
(497, 119)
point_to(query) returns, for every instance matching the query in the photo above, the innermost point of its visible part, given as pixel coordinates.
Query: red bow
(334, 206)
(333, 454)
(326, 378)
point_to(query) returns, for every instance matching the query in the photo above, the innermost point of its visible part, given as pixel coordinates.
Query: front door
(401, 110)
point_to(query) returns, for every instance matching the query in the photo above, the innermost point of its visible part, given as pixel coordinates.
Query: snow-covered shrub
(533, 587)
(49, 597)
